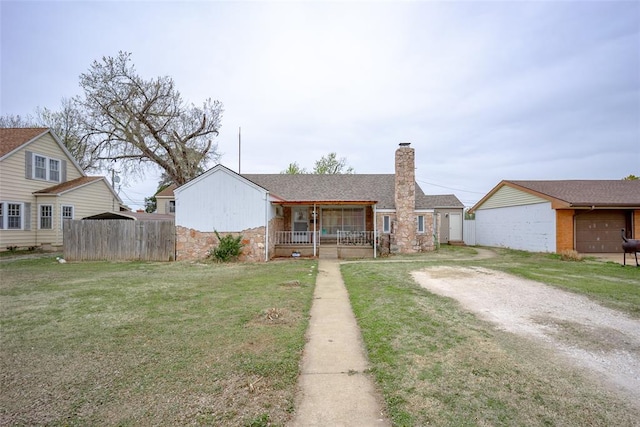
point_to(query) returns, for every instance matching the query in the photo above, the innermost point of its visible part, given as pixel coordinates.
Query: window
(46, 168)
(343, 219)
(54, 170)
(67, 212)
(386, 224)
(420, 223)
(1, 216)
(14, 216)
(46, 217)
(40, 167)
(172, 206)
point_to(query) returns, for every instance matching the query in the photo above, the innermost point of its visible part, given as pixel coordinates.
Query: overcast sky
(484, 91)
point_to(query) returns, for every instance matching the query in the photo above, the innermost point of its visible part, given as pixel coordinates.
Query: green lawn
(437, 364)
(101, 343)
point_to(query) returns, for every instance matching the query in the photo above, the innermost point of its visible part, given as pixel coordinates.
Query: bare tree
(17, 121)
(140, 122)
(70, 126)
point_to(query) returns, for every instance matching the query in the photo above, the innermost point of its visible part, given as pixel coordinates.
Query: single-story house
(346, 215)
(553, 216)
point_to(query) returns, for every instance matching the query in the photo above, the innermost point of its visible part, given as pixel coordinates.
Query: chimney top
(405, 144)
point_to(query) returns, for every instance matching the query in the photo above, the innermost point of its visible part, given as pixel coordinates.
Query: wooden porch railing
(295, 237)
(345, 238)
(356, 238)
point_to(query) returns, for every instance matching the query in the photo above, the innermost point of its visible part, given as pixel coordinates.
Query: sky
(483, 90)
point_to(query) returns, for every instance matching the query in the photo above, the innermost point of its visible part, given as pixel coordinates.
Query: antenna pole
(239, 148)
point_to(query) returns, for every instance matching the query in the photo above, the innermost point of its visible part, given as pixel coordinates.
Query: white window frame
(386, 223)
(62, 215)
(420, 224)
(41, 217)
(6, 215)
(50, 173)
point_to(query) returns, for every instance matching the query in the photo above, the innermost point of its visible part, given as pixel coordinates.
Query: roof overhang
(325, 202)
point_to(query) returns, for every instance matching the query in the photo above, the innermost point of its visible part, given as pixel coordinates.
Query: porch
(345, 244)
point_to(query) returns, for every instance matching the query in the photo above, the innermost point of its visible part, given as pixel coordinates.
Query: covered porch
(335, 230)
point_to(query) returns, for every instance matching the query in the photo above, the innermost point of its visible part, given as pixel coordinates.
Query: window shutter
(63, 171)
(27, 216)
(28, 164)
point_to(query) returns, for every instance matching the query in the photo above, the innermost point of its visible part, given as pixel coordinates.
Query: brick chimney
(405, 198)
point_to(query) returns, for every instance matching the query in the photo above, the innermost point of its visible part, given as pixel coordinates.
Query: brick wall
(564, 230)
(636, 224)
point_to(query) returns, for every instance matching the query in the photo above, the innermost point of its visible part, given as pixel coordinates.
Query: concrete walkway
(333, 389)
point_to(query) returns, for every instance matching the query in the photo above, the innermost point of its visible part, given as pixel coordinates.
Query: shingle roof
(580, 193)
(12, 138)
(69, 185)
(378, 188)
(167, 192)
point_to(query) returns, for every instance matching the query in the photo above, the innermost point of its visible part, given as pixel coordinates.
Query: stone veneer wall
(423, 242)
(193, 244)
(405, 200)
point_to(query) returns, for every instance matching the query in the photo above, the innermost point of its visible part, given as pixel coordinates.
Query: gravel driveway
(591, 336)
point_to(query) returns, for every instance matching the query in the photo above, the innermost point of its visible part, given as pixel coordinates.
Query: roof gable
(13, 138)
(215, 170)
(74, 184)
(575, 193)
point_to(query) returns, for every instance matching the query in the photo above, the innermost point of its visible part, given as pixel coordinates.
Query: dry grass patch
(151, 343)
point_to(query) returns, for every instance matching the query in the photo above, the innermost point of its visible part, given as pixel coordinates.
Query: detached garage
(552, 216)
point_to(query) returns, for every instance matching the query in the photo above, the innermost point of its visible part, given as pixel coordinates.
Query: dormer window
(45, 168)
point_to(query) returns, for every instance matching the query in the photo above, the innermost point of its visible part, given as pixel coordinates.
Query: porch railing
(295, 237)
(344, 238)
(356, 238)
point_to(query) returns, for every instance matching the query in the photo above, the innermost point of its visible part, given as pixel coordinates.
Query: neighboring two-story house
(41, 184)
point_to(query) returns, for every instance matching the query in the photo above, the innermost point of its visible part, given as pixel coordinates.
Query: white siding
(527, 227)
(221, 201)
(509, 196)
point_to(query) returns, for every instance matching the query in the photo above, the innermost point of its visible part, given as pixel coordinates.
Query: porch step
(457, 243)
(327, 252)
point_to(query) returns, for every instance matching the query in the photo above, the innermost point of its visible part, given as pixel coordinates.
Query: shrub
(228, 249)
(570, 255)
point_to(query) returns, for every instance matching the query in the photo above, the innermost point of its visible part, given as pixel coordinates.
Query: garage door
(599, 231)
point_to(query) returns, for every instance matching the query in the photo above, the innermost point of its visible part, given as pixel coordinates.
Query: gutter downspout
(266, 227)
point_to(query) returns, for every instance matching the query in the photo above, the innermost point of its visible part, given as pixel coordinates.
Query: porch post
(315, 226)
(375, 231)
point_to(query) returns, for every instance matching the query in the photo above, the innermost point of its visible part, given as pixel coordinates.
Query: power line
(449, 188)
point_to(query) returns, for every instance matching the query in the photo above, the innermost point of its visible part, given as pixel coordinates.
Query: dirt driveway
(590, 336)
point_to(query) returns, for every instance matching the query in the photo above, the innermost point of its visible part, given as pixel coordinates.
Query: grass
(100, 343)
(437, 364)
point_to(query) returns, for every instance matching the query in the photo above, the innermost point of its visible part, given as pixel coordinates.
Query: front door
(300, 225)
(455, 227)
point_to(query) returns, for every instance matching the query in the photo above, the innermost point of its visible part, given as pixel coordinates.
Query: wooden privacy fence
(119, 240)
